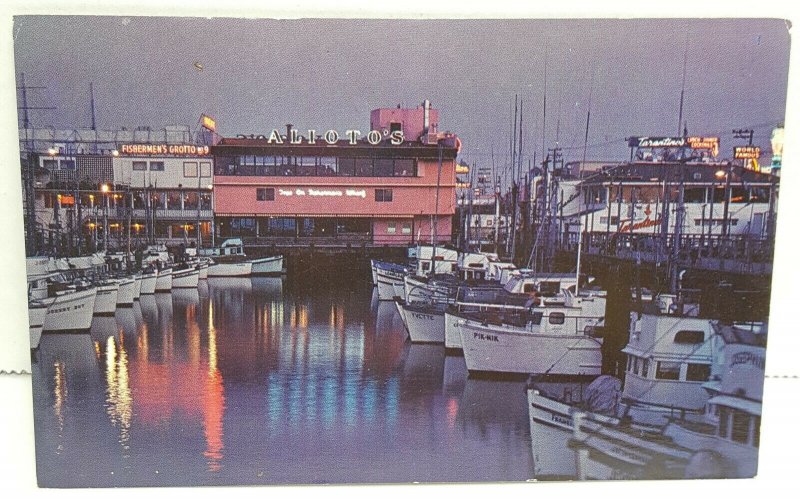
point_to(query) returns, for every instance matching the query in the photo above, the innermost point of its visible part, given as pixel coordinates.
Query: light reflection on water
(252, 381)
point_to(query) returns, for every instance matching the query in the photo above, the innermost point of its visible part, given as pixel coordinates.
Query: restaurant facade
(392, 185)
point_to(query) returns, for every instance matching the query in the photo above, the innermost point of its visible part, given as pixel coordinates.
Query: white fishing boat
(268, 266)
(374, 272)
(137, 290)
(148, 286)
(36, 314)
(230, 269)
(554, 339)
(164, 280)
(388, 275)
(69, 310)
(127, 289)
(479, 299)
(424, 321)
(185, 278)
(105, 302)
(229, 260)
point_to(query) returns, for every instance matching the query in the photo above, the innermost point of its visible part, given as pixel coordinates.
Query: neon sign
(164, 149)
(353, 193)
(747, 152)
(374, 137)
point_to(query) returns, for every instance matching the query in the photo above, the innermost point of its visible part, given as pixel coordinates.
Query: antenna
(91, 104)
(683, 82)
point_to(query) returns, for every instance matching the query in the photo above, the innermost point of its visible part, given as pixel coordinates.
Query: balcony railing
(160, 213)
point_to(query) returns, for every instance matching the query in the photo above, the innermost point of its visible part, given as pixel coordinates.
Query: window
(630, 363)
(395, 127)
(391, 228)
(190, 200)
(67, 164)
(157, 166)
(556, 318)
(205, 169)
(614, 220)
(756, 431)
(364, 167)
(694, 195)
(697, 372)
(645, 367)
(689, 337)
(347, 166)
(383, 195)
(190, 169)
(140, 165)
(740, 427)
(174, 200)
(406, 229)
(666, 370)
(724, 414)
(384, 167)
(265, 194)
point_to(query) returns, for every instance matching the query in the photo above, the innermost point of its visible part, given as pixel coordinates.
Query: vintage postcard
(327, 251)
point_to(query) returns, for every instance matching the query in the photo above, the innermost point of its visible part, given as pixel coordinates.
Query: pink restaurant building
(375, 187)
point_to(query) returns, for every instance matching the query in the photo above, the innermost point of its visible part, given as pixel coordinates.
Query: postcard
(366, 251)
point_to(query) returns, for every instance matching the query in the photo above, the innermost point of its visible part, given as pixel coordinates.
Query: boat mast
(436, 211)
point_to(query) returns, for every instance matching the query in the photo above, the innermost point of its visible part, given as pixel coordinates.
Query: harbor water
(256, 381)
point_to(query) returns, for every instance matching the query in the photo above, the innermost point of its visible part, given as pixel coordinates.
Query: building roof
(342, 148)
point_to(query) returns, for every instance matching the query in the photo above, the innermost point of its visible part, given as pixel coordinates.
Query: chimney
(426, 117)
(288, 131)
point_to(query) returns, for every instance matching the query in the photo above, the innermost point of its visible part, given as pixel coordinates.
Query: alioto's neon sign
(374, 137)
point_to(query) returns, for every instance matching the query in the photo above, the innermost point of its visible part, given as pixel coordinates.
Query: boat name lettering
(66, 308)
(560, 419)
(747, 358)
(481, 336)
(429, 317)
(628, 454)
(374, 137)
(352, 193)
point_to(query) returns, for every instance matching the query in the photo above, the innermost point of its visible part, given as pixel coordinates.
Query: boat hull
(164, 281)
(424, 325)
(185, 278)
(36, 315)
(137, 290)
(148, 286)
(70, 312)
(202, 271)
(500, 349)
(230, 269)
(267, 266)
(387, 279)
(105, 302)
(452, 334)
(127, 289)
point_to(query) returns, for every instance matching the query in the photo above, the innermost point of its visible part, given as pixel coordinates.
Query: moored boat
(127, 289)
(424, 321)
(36, 313)
(148, 286)
(185, 278)
(164, 280)
(267, 266)
(230, 269)
(106, 301)
(69, 311)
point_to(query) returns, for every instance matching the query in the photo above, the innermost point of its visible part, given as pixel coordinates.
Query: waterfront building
(393, 185)
(84, 187)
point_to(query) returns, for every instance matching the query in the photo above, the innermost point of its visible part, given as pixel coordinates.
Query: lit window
(406, 228)
(391, 228)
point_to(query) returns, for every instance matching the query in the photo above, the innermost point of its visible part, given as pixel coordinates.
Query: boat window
(667, 370)
(550, 288)
(698, 372)
(536, 317)
(630, 362)
(740, 428)
(528, 288)
(556, 318)
(689, 337)
(645, 367)
(636, 366)
(723, 422)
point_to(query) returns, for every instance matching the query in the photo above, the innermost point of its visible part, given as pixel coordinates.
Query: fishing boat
(186, 277)
(563, 339)
(268, 266)
(127, 289)
(37, 311)
(723, 444)
(148, 286)
(229, 259)
(424, 321)
(164, 280)
(106, 300)
(388, 275)
(69, 310)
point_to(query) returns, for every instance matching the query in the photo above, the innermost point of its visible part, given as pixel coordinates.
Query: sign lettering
(350, 193)
(747, 152)
(331, 137)
(164, 149)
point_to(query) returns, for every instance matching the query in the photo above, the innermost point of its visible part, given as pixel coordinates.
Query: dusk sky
(261, 74)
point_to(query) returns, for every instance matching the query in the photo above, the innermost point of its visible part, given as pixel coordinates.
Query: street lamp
(105, 189)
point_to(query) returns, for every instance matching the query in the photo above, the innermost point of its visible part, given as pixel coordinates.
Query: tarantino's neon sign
(374, 137)
(353, 193)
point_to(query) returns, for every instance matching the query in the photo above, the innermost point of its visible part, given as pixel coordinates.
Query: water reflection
(255, 381)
